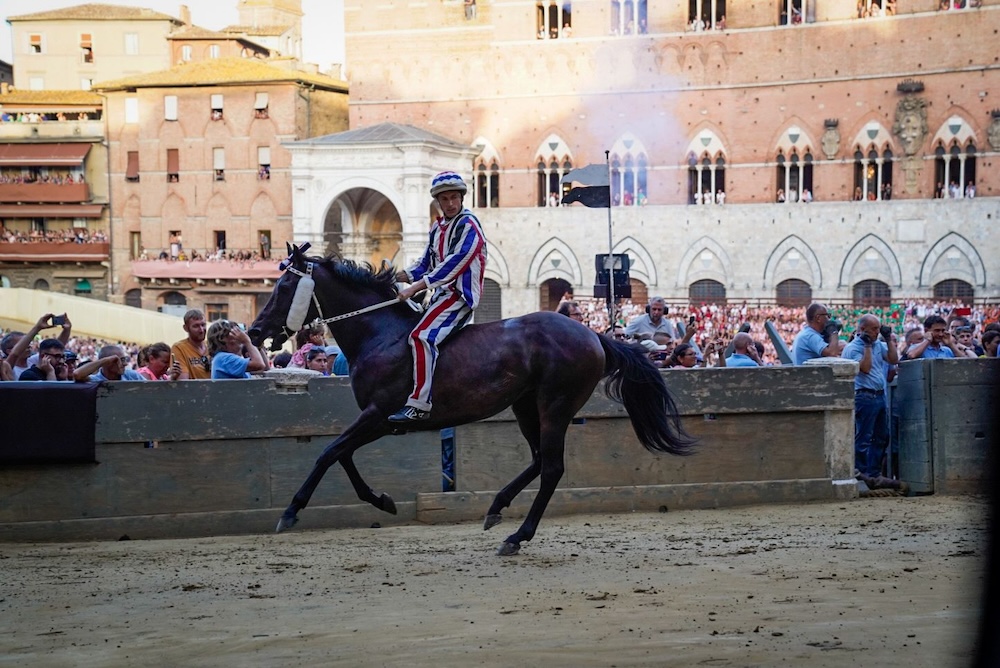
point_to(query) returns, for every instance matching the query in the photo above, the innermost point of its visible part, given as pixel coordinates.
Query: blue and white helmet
(446, 181)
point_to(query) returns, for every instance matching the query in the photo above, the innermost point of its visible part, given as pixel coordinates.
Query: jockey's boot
(409, 414)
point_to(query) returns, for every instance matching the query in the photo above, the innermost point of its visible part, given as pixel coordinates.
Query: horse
(544, 366)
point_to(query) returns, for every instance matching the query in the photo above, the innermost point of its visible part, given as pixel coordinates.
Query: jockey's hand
(409, 291)
(401, 277)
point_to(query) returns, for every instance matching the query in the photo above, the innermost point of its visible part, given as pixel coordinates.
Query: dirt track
(876, 582)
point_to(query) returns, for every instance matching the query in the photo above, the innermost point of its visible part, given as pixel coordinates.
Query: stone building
(764, 106)
(54, 213)
(197, 166)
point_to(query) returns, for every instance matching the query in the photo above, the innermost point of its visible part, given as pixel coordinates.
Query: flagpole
(611, 256)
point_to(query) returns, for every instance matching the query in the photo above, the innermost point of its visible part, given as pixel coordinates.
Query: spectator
(991, 339)
(332, 353)
(654, 320)
(281, 360)
(317, 360)
(111, 364)
(683, 357)
(819, 338)
(51, 357)
(232, 353)
(744, 352)
(156, 363)
(871, 420)
(570, 309)
(937, 342)
(305, 339)
(964, 341)
(191, 352)
(658, 354)
(16, 346)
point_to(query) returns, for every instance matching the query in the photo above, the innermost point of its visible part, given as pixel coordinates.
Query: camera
(59, 320)
(832, 331)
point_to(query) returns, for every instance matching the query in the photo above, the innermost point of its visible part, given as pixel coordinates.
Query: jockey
(452, 266)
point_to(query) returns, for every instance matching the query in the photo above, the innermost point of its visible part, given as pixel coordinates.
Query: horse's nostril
(255, 335)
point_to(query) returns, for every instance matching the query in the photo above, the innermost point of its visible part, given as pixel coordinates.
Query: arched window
(794, 177)
(553, 163)
(490, 303)
(706, 14)
(706, 179)
(793, 292)
(872, 293)
(41, 284)
(133, 298)
(872, 174)
(707, 291)
(554, 19)
(551, 292)
(640, 293)
(487, 191)
(954, 290)
(628, 17)
(955, 171)
(174, 299)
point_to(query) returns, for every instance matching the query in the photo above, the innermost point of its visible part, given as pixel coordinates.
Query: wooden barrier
(198, 458)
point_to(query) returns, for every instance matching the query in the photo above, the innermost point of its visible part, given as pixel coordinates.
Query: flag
(590, 196)
(591, 175)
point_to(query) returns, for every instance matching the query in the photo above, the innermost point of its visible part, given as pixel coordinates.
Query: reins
(344, 316)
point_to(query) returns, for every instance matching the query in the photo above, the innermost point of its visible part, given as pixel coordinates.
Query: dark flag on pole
(595, 190)
(592, 196)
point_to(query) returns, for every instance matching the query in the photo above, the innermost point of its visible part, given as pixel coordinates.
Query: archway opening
(490, 305)
(793, 292)
(707, 291)
(954, 290)
(551, 292)
(872, 293)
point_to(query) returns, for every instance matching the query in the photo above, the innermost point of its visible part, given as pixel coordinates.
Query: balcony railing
(88, 129)
(53, 251)
(44, 193)
(206, 269)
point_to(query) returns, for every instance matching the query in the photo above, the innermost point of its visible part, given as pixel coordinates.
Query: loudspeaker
(617, 265)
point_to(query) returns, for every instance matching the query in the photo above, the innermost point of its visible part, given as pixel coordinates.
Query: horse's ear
(288, 245)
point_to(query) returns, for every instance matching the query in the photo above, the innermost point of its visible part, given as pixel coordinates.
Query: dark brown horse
(544, 366)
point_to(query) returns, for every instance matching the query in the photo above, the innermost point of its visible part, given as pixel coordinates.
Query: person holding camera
(873, 350)
(819, 338)
(51, 362)
(16, 346)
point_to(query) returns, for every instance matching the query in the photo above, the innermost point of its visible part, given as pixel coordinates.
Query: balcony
(54, 130)
(44, 193)
(49, 251)
(202, 271)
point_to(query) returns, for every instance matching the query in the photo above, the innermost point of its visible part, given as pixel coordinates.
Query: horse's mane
(362, 274)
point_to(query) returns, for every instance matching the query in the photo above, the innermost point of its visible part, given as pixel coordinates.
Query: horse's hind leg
(363, 430)
(365, 493)
(526, 411)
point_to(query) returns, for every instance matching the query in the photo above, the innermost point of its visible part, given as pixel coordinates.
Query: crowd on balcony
(19, 176)
(76, 235)
(959, 4)
(35, 117)
(250, 256)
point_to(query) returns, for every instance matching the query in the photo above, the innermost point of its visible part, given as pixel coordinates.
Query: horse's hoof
(286, 523)
(492, 520)
(388, 505)
(508, 549)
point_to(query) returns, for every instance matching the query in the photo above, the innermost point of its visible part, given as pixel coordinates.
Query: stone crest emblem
(993, 132)
(831, 138)
(911, 123)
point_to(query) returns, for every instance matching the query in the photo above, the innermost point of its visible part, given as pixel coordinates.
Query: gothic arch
(496, 266)
(566, 265)
(790, 243)
(554, 147)
(489, 153)
(706, 141)
(955, 129)
(643, 267)
(942, 246)
(686, 274)
(794, 136)
(849, 277)
(872, 134)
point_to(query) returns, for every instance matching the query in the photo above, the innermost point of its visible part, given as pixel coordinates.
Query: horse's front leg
(370, 425)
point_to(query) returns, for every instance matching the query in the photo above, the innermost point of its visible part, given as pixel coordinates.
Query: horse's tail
(634, 382)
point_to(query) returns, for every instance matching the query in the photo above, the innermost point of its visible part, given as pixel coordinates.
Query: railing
(52, 129)
(54, 251)
(38, 193)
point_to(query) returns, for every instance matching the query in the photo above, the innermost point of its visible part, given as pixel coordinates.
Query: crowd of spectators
(76, 235)
(35, 117)
(193, 255)
(36, 176)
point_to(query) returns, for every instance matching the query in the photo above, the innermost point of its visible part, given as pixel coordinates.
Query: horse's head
(291, 304)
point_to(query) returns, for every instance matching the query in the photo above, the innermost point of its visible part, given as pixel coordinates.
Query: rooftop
(260, 31)
(383, 133)
(96, 12)
(222, 71)
(43, 97)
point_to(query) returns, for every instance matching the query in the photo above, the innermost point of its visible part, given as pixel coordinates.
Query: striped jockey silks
(453, 267)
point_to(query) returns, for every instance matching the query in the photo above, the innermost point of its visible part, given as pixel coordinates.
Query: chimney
(185, 15)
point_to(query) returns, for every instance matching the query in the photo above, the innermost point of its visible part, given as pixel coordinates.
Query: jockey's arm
(453, 265)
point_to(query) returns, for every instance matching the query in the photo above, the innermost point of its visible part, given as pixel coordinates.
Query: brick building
(866, 109)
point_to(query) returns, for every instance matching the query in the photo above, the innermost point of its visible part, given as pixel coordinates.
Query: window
(487, 192)
(553, 162)
(628, 175)
(490, 304)
(952, 169)
(131, 110)
(186, 52)
(794, 178)
(133, 298)
(707, 14)
(872, 293)
(132, 167)
(263, 163)
(954, 290)
(173, 165)
(82, 287)
(706, 180)
(260, 106)
(36, 83)
(793, 293)
(793, 12)
(876, 8)
(170, 107)
(872, 174)
(707, 291)
(131, 44)
(86, 48)
(135, 245)
(264, 241)
(86, 84)
(215, 312)
(220, 239)
(553, 19)
(41, 284)
(213, 51)
(35, 43)
(216, 104)
(219, 163)
(628, 17)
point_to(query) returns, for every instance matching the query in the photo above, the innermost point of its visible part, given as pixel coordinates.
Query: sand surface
(874, 582)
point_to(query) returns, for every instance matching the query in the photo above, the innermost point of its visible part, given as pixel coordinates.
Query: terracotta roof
(196, 32)
(41, 97)
(97, 12)
(222, 71)
(265, 31)
(383, 133)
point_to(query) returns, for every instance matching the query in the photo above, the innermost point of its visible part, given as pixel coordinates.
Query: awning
(43, 155)
(51, 210)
